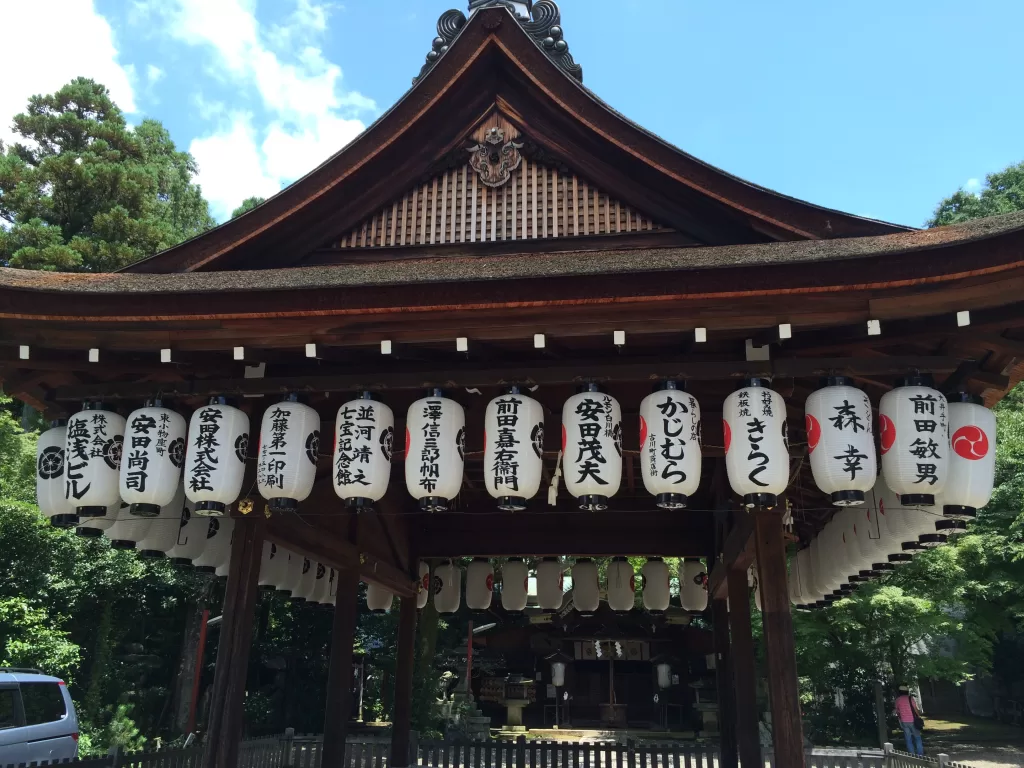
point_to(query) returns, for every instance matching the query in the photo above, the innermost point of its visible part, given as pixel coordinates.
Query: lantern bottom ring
(434, 504)
(122, 544)
(377, 611)
(951, 527)
(855, 579)
(210, 508)
(845, 589)
(917, 499)
(900, 559)
(847, 498)
(593, 502)
(671, 500)
(359, 502)
(144, 510)
(89, 512)
(89, 533)
(911, 546)
(285, 592)
(879, 567)
(511, 503)
(180, 561)
(265, 588)
(656, 611)
(152, 554)
(283, 504)
(761, 500)
(829, 599)
(67, 521)
(205, 569)
(932, 540)
(957, 512)
(867, 575)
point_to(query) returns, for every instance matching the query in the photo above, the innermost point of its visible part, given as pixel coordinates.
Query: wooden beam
(401, 725)
(339, 675)
(744, 669)
(480, 376)
(737, 554)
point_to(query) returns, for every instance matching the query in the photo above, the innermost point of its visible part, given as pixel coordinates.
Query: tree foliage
(81, 190)
(1003, 193)
(247, 205)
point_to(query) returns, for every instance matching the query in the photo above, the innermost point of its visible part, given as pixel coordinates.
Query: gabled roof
(493, 62)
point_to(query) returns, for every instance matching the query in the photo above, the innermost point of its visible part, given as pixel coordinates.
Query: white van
(37, 718)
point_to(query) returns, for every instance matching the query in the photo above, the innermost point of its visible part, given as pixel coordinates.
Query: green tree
(1003, 193)
(83, 191)
(247, 205)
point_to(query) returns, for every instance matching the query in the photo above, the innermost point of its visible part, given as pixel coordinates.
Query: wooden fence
(896, 759)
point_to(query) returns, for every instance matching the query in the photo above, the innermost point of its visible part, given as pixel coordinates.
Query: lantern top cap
(916, 380)
(590, 386)
(549, 559)
(291, 397)
(670, 384)
(965, 397)
(435, 392)
(836, 381)
(655, 559)
(558, 655)
(94, 405)
(367, 395)
(155, 402)
(755, 381)
(512, 389)
(217, 400)
(619, 559)
(479, 559)
(583, 560)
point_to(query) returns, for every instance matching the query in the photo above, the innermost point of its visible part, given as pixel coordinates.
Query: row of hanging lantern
(445, 586)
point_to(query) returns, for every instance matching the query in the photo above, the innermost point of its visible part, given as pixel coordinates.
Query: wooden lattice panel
(537, 202)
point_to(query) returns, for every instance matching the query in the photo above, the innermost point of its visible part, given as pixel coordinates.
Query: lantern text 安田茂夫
(592, 447)
(514, 587)
(841, 441)
(972, 458)
(670, 450)
(756, 443)
(913, 432)
(513, 449)
(435, 451)
(288, 453)
(479, 584)
(95, 440)
(51, 466)
(364, 436)
(217, 444)
(152, 458)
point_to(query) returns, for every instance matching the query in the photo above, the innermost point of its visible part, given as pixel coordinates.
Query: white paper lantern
(514, 592)
(191, 540)
(153, 456)
(592, 447)
(869, 534)
(558, 672)
(423, 587)
(95, 439)
(670, 450)
(321, 584)
(327, 595)
(218, 545)
(756, 443)
(51, 470)
(305, 589)
(799, 595)
(586, 590)
(94, 527)
(288, 453)
(656, 593)
(447, 587)
(693, 586)
(128, 529)
(913, 433)
(841, 441)
(621, 585)
(270, 566)
(550, 585)
(513, 449)
(435, 451)
(378, 598)
(364, 437)
(906, 525)
(479, 584)
(163, 530)
(664, 674)
(218, 440)
(972, 460)
(818, 581)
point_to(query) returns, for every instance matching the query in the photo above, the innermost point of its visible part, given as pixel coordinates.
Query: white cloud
(309, 116)
(154, 73)
(973, 186)
(78, 41)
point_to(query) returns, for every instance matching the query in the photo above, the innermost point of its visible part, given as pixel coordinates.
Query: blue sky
(879, 108)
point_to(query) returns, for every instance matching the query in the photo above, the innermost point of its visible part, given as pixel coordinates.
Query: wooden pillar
(744, 669)
(339, 676)
(224, 729)
(726, 698)
(787, 725)
(401, 723)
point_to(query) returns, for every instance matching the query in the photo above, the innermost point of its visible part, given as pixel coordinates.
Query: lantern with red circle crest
(656, 592)
(621, 585)
(513, 449)
(435, 450)
(479, 584)
(423, 586)
(592, 447)
(670, 450)
(549, 584)
(447, 587)
(586, 591)
(514, 586)
(972, 460)
(913, 433)
(840, 441)
(693, 585)
(756, 443)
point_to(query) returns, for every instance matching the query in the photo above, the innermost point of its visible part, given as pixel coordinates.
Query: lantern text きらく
(756, 443)
(656, 594)
(152, 458)
(514, 589)
(364, 437)
(288, 453)
(549, 584)
(693, 586)
(621, 585)
(913, 431)
(586, 590)
(51, 466)
(513, 449)
(670, 450)
(840, 441)
(479, 584)
(95, 439)
(972, 458)
(217, 443)
(435, 451)
(592, 447)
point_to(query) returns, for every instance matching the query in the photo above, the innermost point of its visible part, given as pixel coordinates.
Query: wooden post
(224, 729)
(339, 676)
(787, 723)
(726, 699)
(744, 669)
(401, 723)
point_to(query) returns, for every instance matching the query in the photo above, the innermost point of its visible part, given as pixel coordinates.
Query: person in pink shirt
(906, 710)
